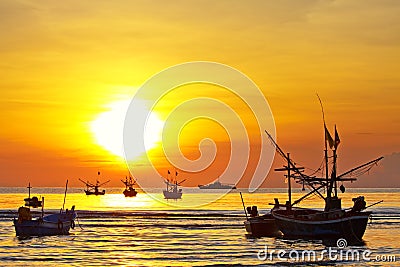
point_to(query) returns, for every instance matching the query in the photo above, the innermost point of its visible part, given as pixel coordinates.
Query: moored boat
(172, 191)
(332, 222)
(316, 224)
(33, 202)
(93, 189)
(53, 224)
(262, 226)
(129, 190)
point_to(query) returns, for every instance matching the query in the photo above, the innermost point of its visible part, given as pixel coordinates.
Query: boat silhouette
(331, 223)
(93, 189)
(172, 191)
(53, 224)
(217, 185)
(129, 190)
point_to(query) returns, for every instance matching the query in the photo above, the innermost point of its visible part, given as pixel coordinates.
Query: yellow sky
(65, 63)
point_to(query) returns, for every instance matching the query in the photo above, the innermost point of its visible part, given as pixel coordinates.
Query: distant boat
(129, 190)
(54, 224)
(172, 191)
(217, 185)
(33, 202)
(93, 189)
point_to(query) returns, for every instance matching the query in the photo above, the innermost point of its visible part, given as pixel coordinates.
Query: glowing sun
(108, 127)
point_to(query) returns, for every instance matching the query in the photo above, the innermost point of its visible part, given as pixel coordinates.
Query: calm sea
(118, 231)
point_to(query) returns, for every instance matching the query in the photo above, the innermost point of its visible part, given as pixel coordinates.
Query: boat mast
(334, 167)
(334, 181)
(65, 193)
(29, 190)
(288, 177)
(42, 207)
(290, 166)
(326, 152)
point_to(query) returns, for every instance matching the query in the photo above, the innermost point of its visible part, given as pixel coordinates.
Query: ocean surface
(116, 231)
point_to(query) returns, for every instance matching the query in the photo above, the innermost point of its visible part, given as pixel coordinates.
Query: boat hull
(130, 193)
(351, 227)
(98, 193)
(172, 195)
(55, 224)
(262, 226)
(217, 187)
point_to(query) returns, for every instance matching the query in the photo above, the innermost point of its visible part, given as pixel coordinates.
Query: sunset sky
(69, 69)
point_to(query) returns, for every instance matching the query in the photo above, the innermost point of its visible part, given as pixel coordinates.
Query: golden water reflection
(115, 200)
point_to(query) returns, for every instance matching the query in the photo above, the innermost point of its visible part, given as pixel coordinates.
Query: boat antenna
(65, 193)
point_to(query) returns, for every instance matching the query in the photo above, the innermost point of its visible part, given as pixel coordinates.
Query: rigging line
(321, 167)
(368, 164)
(322, 108)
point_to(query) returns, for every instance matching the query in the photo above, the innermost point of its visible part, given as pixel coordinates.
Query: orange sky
(64, 65)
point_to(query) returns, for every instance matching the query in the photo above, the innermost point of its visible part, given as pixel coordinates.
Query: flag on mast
(337, 139)
(328, 138)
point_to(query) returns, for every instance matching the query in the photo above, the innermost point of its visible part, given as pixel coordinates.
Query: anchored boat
(330, 223)
(333, 222)
(93, 189)
(172, 191)
(33, 202)
(129, 190)
(53, 224)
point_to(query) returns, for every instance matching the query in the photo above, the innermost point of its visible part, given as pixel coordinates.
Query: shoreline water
(141, 231)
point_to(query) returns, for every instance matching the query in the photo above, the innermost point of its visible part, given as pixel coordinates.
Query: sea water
(142, 231)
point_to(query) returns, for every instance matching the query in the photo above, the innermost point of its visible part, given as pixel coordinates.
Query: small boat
(260, 225)
(93, 189)
(53, 224)
(172, 191)
(129, 190)
(217, 185)
(33, 202)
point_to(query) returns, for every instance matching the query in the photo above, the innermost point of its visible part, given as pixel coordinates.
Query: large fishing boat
(53, 224)
(333, 221)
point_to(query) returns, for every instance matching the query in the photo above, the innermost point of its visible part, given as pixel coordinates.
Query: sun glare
(108, 127)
